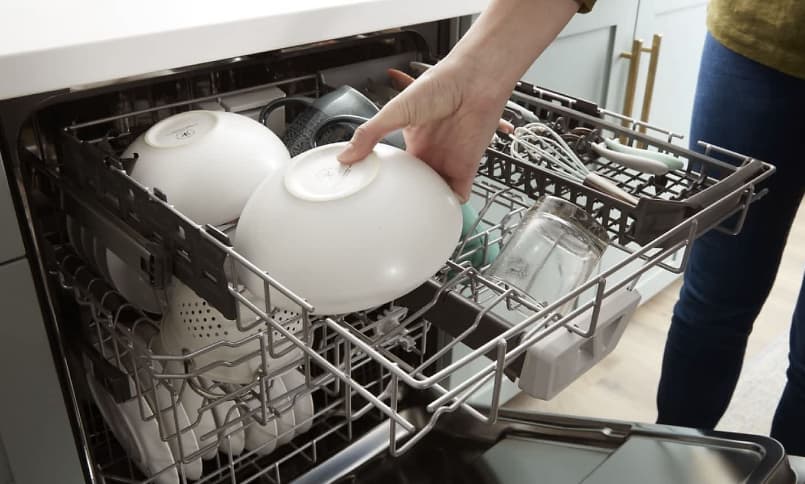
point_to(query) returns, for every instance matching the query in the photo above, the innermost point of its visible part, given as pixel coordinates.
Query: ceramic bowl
(349, 238)
(206, 162)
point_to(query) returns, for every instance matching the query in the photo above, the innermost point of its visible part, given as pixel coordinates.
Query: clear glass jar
(555, 248)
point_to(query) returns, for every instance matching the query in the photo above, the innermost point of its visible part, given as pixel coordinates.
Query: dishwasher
(411, 391)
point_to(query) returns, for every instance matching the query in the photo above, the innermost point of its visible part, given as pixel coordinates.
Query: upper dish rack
(496, 321)
(663, 201)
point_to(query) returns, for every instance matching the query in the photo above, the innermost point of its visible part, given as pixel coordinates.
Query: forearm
(508, 37)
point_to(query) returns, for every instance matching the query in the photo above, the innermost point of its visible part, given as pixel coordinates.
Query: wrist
(481, 80)
(507, 38)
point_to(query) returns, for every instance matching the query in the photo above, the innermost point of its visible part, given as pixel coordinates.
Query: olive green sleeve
(585, 5)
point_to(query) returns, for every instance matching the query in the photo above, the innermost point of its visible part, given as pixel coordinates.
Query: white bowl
(349, 239)
(206, 162)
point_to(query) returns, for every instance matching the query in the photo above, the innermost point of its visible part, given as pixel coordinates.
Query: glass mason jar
(555, 248)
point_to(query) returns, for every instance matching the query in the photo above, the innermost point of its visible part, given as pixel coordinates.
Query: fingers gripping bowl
(349, 238)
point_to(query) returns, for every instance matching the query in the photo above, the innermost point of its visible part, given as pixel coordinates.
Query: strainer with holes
(191, 324)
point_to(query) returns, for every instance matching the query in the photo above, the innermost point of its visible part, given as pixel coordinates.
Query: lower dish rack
(359, 368)
(124, 372)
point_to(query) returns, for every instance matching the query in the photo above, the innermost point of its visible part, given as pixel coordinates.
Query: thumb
(462, 187)
(393, 116)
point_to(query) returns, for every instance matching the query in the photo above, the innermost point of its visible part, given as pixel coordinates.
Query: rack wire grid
(204, 259)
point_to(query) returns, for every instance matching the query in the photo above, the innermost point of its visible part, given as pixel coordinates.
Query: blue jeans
(757, 111)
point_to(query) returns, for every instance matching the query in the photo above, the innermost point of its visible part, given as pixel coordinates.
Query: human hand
(446, 120)
(449, 113)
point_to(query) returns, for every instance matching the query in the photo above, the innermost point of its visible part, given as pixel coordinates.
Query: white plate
(162, 399)
(234, 439)
(192, 402)
(285, 420)
(303, 403)
(261, 438)
(139, 438)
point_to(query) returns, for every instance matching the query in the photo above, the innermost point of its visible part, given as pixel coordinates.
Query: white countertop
(52, 44)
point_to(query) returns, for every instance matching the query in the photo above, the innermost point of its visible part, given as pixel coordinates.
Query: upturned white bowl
(207, 162)
(349, 238)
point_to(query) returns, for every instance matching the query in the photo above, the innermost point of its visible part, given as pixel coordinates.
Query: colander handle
(280, 102)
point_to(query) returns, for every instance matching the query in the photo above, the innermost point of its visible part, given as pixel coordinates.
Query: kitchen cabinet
(587, 60)
(584, 60)
(35, 428)
(682, 26)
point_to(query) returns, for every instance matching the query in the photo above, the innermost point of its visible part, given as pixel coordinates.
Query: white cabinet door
(681, 23)
(585, 61)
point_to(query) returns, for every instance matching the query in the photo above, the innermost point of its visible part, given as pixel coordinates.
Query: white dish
(171, 417)
(233, 440)
(286, 419)
(262, 439)
(184, 442)
(303, 402)
(193, 402)
(200, 156)
(139, 438)
(349, 239)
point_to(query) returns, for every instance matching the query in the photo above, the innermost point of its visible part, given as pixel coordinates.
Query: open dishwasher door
(525, 447)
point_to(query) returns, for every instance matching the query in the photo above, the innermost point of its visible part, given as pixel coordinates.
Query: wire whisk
(538, 143)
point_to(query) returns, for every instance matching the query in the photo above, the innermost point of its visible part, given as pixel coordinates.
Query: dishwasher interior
(374, 395)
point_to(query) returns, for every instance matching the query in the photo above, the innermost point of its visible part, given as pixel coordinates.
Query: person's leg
(751, 109)
(789, 420)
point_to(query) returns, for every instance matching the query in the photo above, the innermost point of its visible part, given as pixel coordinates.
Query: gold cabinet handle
(631, 81)
(652, 75)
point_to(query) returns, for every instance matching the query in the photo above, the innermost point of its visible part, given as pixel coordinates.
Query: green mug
(473, 250)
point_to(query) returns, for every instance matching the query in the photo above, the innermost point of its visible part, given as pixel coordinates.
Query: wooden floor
(623, 386)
